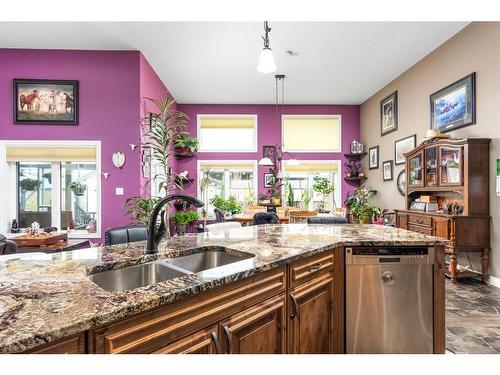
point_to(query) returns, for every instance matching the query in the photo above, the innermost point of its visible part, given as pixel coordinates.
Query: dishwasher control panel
(389, 254)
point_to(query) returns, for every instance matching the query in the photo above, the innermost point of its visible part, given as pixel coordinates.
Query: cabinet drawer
(419, 229)
(309, 268)
(67, 345)
(425, 221)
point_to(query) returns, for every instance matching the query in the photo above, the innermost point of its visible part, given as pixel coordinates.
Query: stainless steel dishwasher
(389, 299)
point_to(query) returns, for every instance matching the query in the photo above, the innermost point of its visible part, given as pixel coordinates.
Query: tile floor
(472, 317)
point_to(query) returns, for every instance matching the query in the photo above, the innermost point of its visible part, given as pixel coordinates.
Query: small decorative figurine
(14, 227)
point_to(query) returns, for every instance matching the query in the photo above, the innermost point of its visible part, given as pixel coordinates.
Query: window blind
(311, 134)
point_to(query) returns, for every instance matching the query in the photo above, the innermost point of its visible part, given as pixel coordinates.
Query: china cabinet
(447, 180)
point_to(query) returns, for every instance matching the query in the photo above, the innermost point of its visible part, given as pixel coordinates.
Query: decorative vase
(180, 229)
(276, 201)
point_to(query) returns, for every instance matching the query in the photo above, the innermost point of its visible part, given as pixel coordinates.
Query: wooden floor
(472, 317)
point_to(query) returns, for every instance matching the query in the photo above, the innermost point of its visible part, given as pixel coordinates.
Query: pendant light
(266, 59)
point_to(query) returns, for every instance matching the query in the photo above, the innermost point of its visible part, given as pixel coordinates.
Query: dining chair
(265, 218)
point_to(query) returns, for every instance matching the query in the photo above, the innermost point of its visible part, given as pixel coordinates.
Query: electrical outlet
(119, 191)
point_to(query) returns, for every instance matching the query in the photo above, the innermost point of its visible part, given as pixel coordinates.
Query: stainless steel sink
(206, 260)
(132, 277)
(208, 263)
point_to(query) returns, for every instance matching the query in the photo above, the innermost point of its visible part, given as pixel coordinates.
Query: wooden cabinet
(257, 330)
(204, 341)
(456, 171)
(310, 321)
(74, 344)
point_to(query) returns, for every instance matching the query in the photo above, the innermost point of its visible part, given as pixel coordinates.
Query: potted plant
(356, 201)
(29, 184)
(324, 187)
(352, 168)
(182, 218)
(229, 206)
(366, 213)
(290, 198)
(185, 145)
(140, 208)
(78, 188)
(306, 198)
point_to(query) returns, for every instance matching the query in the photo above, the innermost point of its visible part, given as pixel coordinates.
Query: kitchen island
(292, 284)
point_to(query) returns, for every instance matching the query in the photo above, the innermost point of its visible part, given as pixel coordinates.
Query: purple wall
(110, 84)
(269, 133)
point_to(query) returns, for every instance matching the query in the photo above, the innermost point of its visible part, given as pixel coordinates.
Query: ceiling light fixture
(266, 59)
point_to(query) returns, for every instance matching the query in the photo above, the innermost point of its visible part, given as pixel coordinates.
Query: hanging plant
(29, 184)
(78, 188)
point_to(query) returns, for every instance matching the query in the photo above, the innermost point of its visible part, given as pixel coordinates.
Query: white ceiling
(215, 62)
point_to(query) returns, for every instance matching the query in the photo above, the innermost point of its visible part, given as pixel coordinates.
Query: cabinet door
(415, 170)
(442, 228)
(310, 318)
(450, 159)
(201, 342)
(257, 330)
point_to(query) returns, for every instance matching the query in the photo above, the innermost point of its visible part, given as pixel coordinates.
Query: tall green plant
(306, 198)
(160, 129)
(324, 187)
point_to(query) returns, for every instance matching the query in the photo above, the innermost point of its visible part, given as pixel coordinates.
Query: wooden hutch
(450, 180)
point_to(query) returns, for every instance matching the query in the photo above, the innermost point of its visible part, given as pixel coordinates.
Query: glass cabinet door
(451, 166)
(431, 166)
(415, 172)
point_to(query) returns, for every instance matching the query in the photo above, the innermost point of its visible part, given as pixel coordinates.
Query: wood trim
(339, 301)
(152, 330)
(200, 342)
(74, 344)
(439, 301)
(311, 267)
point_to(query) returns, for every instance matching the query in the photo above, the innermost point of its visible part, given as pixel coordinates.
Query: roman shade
(312, 167)
(227, 122)
(49, 154)
(311, 133)
(243, 166)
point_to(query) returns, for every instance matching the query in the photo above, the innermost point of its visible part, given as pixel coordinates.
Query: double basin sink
(206, 262)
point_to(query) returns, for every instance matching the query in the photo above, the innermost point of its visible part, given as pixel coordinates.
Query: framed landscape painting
(389, 114)
(454, 106)
(403, 146)
(44, 101)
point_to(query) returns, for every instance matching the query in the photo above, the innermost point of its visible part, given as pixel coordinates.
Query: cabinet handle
(216, 342)
(314, 267)
(295, 310)
(229, 340)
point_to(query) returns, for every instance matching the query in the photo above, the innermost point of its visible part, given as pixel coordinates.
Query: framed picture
(387, 170)
(269, 152)
(403, 146)
(454, 106)
(373, 157)
(268, 180)
(401, 183)
(45, 101)
(389, 114)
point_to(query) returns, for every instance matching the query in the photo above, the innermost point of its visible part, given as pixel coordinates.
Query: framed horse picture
(45, 101)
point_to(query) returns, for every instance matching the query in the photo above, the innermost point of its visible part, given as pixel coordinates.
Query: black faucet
(155, 234)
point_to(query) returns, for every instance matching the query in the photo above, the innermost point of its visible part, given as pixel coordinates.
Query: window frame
(338, 188)
(283, 117)
(9, 191)
(239, 115)
(199, 163)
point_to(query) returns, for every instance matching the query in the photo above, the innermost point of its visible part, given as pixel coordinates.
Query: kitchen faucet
(155, 234)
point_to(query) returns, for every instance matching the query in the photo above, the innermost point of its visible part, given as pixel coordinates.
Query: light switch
(119, 191)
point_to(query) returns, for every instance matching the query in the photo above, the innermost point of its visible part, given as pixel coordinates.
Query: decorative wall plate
(118, 159)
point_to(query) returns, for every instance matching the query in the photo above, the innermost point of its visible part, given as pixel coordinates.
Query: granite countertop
(44, 297)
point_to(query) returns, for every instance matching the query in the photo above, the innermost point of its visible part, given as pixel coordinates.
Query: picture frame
(373, 157)
(401, 183)
(269, 152)
(268, 180)
(45, 101)
(389, 114)
(454, 106)
(388, 170)
(402, 146)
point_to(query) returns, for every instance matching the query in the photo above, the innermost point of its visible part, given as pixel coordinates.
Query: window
(233, 133)
(310, 133)
(227, 178)
(53, 183)
(301, 177)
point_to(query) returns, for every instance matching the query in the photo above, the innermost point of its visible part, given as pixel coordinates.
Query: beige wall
(475, 49)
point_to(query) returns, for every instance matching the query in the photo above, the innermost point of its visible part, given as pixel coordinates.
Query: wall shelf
(355, 180)
(359, 155)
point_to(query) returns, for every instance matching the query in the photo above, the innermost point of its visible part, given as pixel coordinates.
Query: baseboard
(494, 281)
